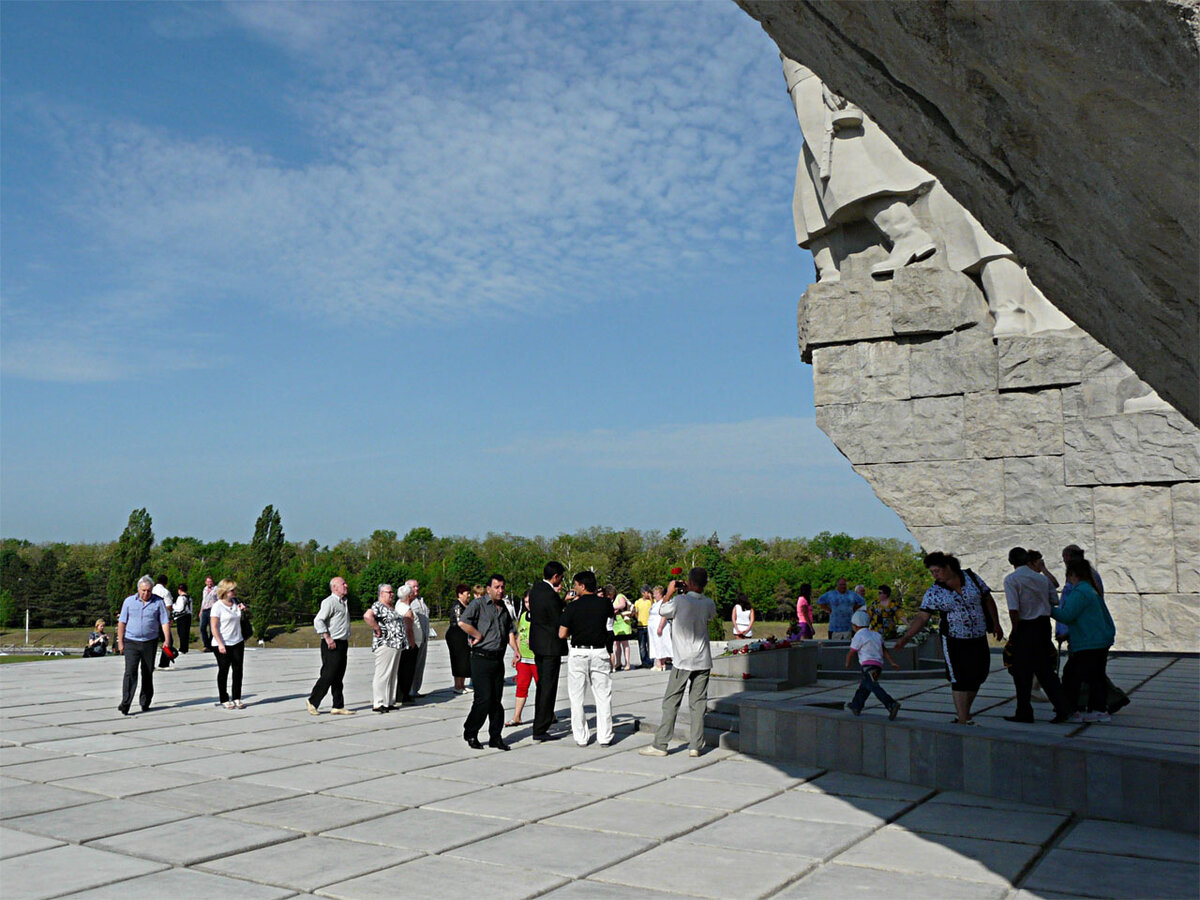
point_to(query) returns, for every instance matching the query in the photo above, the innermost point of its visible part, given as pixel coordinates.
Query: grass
(36, 657)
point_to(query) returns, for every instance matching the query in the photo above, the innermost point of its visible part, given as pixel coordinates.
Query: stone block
(930, 300)
(1185, 517)
(1037, 773)
(1141, 780)
(1069, 785)
(1131, 449)
(923, 746)
(977, 763)
(874, 760)
(956, 363)
(868, 370)
(896, 742)
(842, 312)
(766, 731)
(1035, 491)
(927, 428)
(1104, 792)
(949, 753)
(1007, 762)
(1126, 611)
(849, 746)
(1053, 359)
(1134, 539)
(1017, 424)
(940, 492)
(1179, 807)
(827, 742)
(1170, 621)
(985, 547)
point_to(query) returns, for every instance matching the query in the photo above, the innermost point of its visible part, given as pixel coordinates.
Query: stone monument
(975, 409)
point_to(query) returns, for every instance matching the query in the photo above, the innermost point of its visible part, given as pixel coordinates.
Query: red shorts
(526, 672)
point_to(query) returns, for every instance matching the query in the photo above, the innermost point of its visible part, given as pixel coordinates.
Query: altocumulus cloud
(463, 161)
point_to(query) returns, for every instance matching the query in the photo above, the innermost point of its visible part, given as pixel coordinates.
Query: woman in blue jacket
(1092, 633)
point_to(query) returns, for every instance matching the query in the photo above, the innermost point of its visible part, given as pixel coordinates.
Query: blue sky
(478, 267)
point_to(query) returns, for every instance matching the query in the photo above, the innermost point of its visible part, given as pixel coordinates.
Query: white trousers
(383, 687)
(584, 667)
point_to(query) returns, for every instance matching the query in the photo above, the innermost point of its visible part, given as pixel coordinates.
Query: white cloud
(494, 159)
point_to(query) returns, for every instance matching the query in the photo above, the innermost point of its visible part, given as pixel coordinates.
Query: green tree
(265, 563)
(620, 563)
(131, 559)
(8, 608)
(467, 565)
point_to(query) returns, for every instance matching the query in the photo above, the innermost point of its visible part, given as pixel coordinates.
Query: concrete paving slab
(1097, 836)
(129, 782)
(486, 768)
(586, 889)
(716, 872)
(960, 798)
(675, 763)
(767, 834)
(18, 843)
(659, 821)
(60, 769)
(747, 770)
(855, 883)
(15, 755)
(711, 794)
(308, 864)
(845, 785)
(1110, 876)
(79, 824)
(411, 881)
(586, 781)
(92, 743)
(996, 825)
(430, 830)
(512, 801)
(184, 884)
(310, 813)
(896, 849)
(562, 851)
(63, 870)
(310, 777)
(228, 765)
(40, 735)
(35, 798)
(401, 790)
(154, 754)
(186, 842)
(811, 806)
(214, 796)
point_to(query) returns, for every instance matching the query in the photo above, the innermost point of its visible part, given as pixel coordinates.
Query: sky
(478, 267)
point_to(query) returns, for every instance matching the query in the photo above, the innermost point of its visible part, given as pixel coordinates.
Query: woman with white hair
(392, 637)
(408, 656)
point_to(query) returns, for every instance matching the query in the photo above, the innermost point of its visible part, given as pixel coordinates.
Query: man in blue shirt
(841, 604)
(143, 618)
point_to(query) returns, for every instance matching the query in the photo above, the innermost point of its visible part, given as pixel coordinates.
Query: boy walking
(867, 645)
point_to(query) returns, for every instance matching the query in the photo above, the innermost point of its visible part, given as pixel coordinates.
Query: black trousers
(488, 676)
(547, 692)
(138, 655)
(406, 672)
(1034, 654)
(333, 670)
(232, 658)
(183, 632)
(1086, 667)
(206, 629)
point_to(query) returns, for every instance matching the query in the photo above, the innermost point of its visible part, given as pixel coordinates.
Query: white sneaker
(693, 753)
(1076, 718)
(651, 750)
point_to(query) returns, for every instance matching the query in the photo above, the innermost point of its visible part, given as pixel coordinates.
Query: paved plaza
(193, 801)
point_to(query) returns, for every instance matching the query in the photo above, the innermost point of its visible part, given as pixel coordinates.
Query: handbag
(247, 625)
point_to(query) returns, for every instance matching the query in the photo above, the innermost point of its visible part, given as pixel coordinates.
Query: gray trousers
(419, 669)
(697, 703)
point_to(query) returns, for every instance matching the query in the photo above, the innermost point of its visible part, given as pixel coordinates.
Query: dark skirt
(460, 652)
(967, 662)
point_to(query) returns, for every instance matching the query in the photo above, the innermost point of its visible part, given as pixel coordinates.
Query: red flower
(745, 675)
(677, 571)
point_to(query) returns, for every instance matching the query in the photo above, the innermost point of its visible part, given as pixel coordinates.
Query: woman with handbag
(230, 646)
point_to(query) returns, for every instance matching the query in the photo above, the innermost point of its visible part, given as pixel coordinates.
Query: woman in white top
(660, 644)
(227, 636)
(743, 618)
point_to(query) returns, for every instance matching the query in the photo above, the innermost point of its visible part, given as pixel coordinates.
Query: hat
(861, 619)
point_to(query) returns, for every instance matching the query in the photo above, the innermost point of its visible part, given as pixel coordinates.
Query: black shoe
(545, 737)
(145, 709)
(1022, 719)
(379, 709)
(499, 744)
(123, 709)
(474, 744)
(417, 695)
(1060, 719)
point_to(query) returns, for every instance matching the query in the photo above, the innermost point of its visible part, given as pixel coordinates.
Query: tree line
(284, 581)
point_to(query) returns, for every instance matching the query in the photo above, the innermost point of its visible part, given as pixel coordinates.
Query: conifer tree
(261, 591)
(131, 560)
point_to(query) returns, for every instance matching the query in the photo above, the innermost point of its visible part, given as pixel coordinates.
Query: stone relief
(849, 171)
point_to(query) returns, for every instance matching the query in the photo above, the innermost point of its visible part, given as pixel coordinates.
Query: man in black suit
(545, 609)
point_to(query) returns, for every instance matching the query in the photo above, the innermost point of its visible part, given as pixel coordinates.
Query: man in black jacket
(545, 609)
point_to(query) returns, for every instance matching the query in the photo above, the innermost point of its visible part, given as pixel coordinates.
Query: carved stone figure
(849, 171)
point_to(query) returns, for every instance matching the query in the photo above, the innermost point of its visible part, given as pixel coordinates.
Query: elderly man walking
(332, 623)
(689, 614)
(143, 618)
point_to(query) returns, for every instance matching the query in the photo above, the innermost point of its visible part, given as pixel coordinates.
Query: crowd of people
(591, 626)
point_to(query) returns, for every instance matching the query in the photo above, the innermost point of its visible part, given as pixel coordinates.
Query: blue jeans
(643, 636)
(870, 685)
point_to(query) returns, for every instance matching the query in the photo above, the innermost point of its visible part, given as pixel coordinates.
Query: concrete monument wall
(981, 443)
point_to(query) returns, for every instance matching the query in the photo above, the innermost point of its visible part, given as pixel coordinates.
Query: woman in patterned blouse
(392, 635)
(968, 613)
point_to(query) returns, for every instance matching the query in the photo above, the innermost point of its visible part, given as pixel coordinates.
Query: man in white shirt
(689, 614)
(207, 599)
(1030, 596)
(423, 628)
